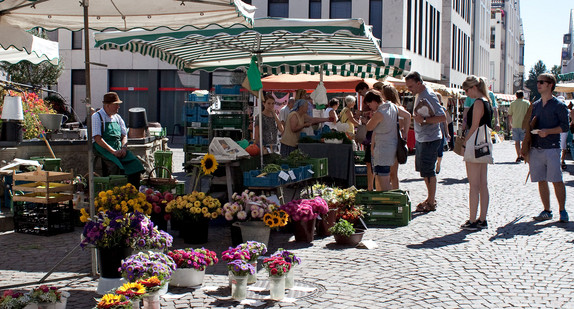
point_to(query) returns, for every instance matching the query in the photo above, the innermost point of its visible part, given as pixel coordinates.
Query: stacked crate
(196, 124)
(385, 208)
(228, 117)
(45, 207)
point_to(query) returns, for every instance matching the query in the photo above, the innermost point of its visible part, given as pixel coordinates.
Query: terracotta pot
(352, 240)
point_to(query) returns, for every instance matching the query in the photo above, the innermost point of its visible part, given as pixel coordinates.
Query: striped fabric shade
(285, 46)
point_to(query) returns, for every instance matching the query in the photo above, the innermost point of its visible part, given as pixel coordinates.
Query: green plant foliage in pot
(342, 227)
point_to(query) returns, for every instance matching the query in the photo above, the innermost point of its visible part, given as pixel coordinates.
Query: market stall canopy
(333, 83)
(564, 87)
(566, 77)
(504, 97)
(125, 14)
(18, 45)
(401, 86)
(330, 46)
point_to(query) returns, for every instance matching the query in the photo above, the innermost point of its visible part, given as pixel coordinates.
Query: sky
(544, 24)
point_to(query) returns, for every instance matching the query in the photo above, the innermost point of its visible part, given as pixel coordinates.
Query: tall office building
(568, 48)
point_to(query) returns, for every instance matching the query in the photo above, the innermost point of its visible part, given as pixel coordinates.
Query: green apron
(112, 134)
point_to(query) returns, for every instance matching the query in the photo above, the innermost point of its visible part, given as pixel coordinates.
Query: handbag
(479, 149)
(402, 149)
(459, 145)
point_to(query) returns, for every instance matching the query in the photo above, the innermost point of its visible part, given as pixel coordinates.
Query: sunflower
(208, 164)
(131, 289)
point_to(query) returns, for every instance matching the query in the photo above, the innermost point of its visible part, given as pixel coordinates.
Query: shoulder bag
(402, 149)
(479, 146)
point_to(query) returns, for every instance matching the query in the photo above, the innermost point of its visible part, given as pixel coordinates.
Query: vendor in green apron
(109, 134)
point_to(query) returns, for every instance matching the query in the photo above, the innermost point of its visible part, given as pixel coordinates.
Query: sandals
(426, 207)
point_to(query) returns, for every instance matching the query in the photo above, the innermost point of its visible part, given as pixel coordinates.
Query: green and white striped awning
(566, 77)
(337, 47)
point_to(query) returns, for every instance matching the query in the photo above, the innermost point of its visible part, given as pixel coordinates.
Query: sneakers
(563, 216)
(544, 215)
(470, 226)
(482, 224)
(519, 159)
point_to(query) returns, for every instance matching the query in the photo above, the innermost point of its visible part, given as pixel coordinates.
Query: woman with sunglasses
(480, 113)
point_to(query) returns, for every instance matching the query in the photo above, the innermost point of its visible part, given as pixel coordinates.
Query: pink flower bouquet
(305, 210)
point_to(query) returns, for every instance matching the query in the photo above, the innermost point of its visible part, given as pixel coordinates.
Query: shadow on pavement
(443, 241)
(514, 228)
(507, 163)
(410, 180)
(452, 181)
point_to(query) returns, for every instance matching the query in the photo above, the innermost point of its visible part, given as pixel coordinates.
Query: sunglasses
(542, 82)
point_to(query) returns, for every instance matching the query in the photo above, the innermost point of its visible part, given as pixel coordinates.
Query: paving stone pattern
(431, 263)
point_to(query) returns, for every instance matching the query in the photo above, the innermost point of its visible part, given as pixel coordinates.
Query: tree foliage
(536, 70)
(556, 70)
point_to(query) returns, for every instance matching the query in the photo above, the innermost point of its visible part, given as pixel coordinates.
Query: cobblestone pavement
(431, 263)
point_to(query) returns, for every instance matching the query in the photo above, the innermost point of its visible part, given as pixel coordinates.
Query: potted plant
(113, 301)
(125, 199)
(239, 270)
(191, 265)
(294, 260)
(194, 210)
(154, 239)
(303, 213)
(48, 297)
(255, 249)
(277, 268)
(345, 233)
(145, 265)
(133, 291)
(247, 211)
(14, 300)
(158, 203)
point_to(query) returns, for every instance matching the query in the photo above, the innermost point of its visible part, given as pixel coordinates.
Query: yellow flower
(214, 215)
(137, 288)
(204, 210)
(110, 300)
(102, 194)
(85, 215)
(208, 164)
(201, 195)
(197, 203)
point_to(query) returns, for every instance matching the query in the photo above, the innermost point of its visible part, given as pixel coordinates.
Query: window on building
(420, 33)
(77, 39)
(437, 40)
(340, 9)
(492, 37)
(315, 9)
(52, 35)
(376, 17)
(278, 8)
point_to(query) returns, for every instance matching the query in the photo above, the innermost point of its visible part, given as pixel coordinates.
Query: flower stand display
(191, 265)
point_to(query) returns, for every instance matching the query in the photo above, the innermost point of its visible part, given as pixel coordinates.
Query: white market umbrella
(18, 45)
(282, 45)
(122, 15)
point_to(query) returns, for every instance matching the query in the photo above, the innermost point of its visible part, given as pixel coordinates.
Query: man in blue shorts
(428, 115)
(549, 119)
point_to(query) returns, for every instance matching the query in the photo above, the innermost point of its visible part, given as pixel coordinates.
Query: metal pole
(86, 4)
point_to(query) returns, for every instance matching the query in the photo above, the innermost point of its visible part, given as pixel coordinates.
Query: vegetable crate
(43, 219)
(385, 208)
(49, 164)
(250, 179)
(320, 166)
(108, 183)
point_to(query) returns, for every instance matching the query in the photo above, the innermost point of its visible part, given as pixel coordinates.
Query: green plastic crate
(199, 132)
(108, 183)
(163, 159)
(49, 164)
(359, 156)
(232, 121)
(231, 105)
(388, 214)
(393, 197)
(361, 181)
(195, 148)
(320, 166)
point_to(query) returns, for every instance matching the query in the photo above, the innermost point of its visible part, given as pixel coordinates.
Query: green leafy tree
(37, 75)
(556, 70)
(536, 70)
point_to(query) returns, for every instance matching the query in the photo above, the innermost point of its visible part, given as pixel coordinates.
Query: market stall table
(340, 158)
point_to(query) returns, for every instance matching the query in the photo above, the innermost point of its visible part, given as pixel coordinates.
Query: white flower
(242, 215)
(228, 216)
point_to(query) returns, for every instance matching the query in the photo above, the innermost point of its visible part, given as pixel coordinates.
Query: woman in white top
(331, 113)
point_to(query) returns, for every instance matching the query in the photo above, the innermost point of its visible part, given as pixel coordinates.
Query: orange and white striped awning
(505, 97)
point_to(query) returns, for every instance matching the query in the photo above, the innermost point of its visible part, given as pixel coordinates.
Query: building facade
(506, 46)
(567, 63)
(446, 40)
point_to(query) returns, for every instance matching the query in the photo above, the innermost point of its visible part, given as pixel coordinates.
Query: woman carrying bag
(478, 151)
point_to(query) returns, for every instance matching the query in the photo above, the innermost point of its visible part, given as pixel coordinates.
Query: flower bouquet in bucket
(255, 249)
(14, 300)
(239, 270)
(46, 295)
(303, 214)
(133, 291)
(114, 301)
(144, 266)
(277, 268)
(191, 265)
(194, 211)
(295, 261)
